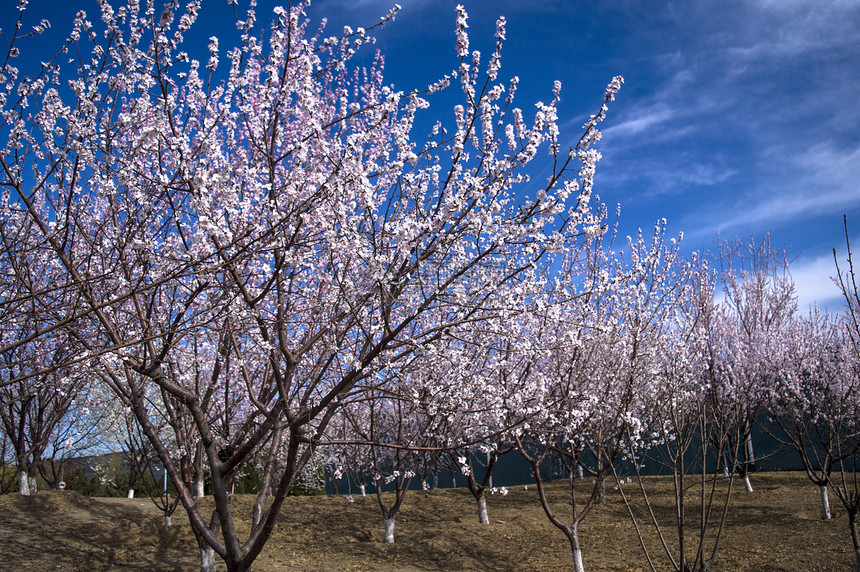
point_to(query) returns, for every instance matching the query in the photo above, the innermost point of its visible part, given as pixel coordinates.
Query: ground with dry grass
(775, 528)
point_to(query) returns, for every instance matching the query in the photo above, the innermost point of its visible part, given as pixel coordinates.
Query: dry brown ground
(775, 528)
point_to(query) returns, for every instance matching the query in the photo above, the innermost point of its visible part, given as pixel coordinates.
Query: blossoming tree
(281, 206)
(847, 484)
(759, 307)
(814, 404)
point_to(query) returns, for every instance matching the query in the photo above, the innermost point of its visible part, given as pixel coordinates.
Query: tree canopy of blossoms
(251, 239)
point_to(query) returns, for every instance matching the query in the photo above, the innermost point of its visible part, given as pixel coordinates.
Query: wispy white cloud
(813, 284)
(820, 180)
(750, 123)
(668, 113)
(642, 120)
(705, 175)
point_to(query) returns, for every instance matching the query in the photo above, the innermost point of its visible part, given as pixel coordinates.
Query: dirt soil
(775, 528)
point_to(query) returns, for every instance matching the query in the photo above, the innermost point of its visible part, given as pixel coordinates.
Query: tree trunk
(198, 487)
(257, 514)
(207, 559)
(750, 452)
(23, 483)
(747, 483)
(130, 494)
(576, 550)
(577, 560)
(482, 509)
(389, 530)
(601, 494)
(855, 538)
(825, 503)
(579, 472)
(363, 490)
(166, 520)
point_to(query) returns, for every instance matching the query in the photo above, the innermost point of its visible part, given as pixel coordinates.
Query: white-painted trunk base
(166, 521)
(750, 450)
(579, 472)
(198, 488)
(747, 483)
(23, 484)
(483, 518)
(577, 561)
(207, 559)
(825, 503)
(130, 494)
(389, 531)
(363, 490)
(33, 487)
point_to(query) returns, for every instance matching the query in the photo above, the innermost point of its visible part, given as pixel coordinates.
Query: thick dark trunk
(855, 539)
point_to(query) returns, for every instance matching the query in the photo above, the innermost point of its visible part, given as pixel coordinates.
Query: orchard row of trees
(257, 263)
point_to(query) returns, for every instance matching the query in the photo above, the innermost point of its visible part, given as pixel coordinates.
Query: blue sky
(737, 117)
